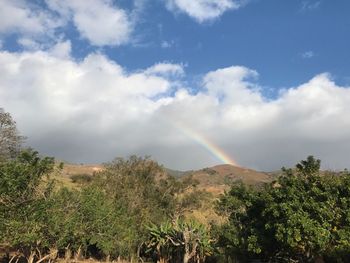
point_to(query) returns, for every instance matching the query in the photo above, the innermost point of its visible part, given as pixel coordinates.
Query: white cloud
(204, 10)
(29, 43)
(166, 69)
(166, 44)
(32, 23)
(310, 5)
(94, 110)
(232, 85)
(308, 54)
(98, 21)
(16, 16)
(61, 49)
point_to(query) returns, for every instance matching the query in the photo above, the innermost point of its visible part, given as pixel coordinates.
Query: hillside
(214, 179)
(71, 172)
(218, 178)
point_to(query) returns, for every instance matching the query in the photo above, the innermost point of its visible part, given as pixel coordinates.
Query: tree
(10, 140)
(87, 220)
(141, 191)
(24, 202)
(300, 217)
(106, 217)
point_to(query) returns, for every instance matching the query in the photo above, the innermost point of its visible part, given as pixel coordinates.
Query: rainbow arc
(211, 147)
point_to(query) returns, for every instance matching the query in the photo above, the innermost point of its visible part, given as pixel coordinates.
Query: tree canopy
(10, 140)
(302, 216)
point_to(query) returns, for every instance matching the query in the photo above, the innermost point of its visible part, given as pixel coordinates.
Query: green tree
(141, 191)
(300, 217)
(133, 184)
(105, 217)
(23, 201)
(88, 220)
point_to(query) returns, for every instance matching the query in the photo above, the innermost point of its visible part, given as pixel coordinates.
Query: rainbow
(205, 143)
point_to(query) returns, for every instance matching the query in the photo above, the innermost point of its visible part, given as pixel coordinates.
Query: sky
(191, 83)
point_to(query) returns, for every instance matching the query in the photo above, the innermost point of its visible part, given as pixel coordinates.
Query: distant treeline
(133, 210)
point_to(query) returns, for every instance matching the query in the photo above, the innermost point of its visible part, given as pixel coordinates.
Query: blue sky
(207, 64)
(287, 42)
(270, 36)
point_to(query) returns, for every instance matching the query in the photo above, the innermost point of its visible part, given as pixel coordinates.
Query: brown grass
(217, 179)
(63, 177)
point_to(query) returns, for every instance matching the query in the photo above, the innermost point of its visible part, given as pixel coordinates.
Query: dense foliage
(108, 216)
(24, 201)
(302, 217)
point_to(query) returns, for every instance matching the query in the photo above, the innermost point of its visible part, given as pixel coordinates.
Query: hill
(218, 178)
(73, 174)
(214, 179)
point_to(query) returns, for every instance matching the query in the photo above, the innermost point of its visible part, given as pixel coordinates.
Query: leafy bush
(300, 217)
(24, 202)
(81, 178)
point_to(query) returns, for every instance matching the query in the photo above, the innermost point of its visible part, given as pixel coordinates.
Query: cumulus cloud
(31, 23)
(93, 110)
(19, 16)
(98, 21)
(61, 49)
(29, 43)
(204, 10)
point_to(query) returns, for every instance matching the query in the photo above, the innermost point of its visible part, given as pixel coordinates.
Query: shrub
(81, 178)
(300, 217)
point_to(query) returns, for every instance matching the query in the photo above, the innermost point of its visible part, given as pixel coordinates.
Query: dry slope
(218, 178)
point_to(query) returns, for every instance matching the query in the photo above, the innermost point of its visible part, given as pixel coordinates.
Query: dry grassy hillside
(218, 178)
(65, 177)
(214, 179)
(74, 169)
